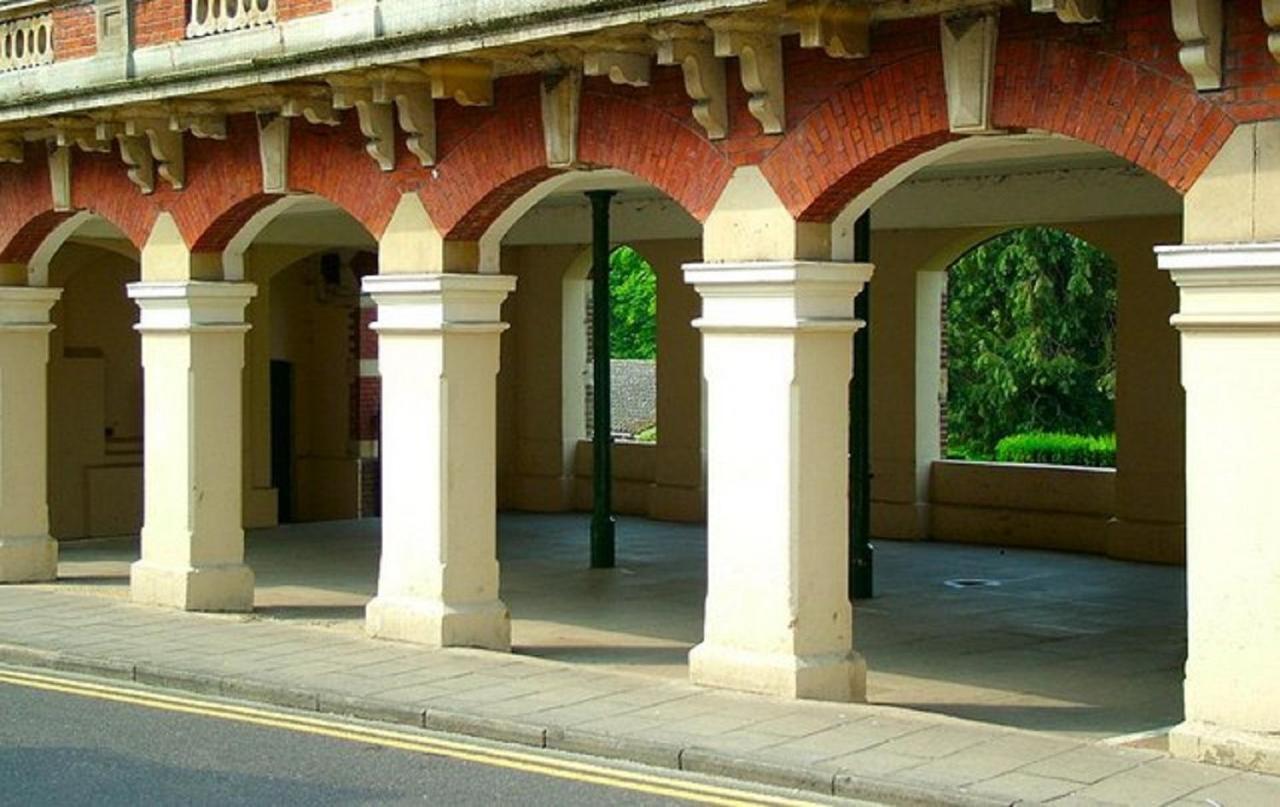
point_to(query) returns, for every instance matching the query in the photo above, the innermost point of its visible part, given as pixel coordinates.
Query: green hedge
(1058, 449)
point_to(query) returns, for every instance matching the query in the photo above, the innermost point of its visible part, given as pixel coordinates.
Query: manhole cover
(971, 582)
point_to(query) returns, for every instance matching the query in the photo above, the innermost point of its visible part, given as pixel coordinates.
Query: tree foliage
(633, 291)
(1030, 330)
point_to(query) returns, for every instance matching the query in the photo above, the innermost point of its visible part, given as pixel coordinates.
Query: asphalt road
(78, 749)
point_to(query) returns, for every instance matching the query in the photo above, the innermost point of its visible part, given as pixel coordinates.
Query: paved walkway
(870, 752)
(1083, 647)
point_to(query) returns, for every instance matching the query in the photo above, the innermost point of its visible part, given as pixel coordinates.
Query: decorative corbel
(135, 152)
(843, 30)
(377, 122)
(1198, 26)
(467, 82)
(1070, 11)
(759, 54)
(166, 148)
(79, 133)
(205, 127)
(969, 62)
(11, 149)
(690, 47)
(416, 111)
(316, 110)
(273, 149)
(622, 67)
(561, 105)
(60, 176)
(1271, 14)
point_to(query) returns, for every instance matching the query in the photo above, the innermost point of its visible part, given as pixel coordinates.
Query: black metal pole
(602, 522)
(861, 552)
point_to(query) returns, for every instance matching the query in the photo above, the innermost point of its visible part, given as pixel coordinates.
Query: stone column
(777, 357)
(1229, 319)
(27, 552)
(193, 335)
(438, 356)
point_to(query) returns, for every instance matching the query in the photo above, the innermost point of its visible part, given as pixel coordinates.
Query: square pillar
(778, 358)
(193, 336)
(1229, 320)
(27, 553)
(438, 355)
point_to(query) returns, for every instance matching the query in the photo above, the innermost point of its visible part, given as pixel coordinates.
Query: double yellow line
(539, 764)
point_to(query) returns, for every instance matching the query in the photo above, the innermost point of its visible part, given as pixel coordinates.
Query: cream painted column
(777, 357)
(1230, 325)
(438, 354)
(27, 552)
(193, 335)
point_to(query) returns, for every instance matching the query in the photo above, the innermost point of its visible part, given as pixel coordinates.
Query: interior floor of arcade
(1053, 642)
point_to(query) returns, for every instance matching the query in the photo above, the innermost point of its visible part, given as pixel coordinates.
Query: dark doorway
(282, 437)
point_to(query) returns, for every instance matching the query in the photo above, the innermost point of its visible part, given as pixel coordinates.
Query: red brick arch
(899, 111)
(505, 157)
(226, 190)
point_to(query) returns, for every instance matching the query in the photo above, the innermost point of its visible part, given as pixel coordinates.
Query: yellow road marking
(495, 757)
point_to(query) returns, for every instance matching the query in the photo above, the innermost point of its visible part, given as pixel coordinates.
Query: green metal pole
(602, 521)
(861, 552)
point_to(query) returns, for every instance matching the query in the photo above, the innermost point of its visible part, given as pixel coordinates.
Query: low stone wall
(1039, 506)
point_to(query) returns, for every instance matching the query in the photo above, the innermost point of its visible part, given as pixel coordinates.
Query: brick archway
(898, 112)
(505, 157)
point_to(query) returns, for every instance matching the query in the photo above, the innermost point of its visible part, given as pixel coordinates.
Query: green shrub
(1058, 449)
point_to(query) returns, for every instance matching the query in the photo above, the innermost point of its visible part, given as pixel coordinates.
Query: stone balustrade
(210, 17)
(26, 42)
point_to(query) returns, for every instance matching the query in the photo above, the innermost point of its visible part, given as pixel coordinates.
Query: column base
(28, 559)
(432, 623)
(1233, 748)
(836, 677)
(225, 589)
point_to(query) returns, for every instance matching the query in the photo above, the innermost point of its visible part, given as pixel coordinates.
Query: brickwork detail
(75, 32)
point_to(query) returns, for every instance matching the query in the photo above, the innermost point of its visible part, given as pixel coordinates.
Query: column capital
(1225, 287)
(429, 303)
(188, 305)
(26, 307)
(778, 295)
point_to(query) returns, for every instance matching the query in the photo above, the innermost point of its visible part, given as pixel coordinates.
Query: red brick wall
(290, 9)
(75, 32)
(156, 22)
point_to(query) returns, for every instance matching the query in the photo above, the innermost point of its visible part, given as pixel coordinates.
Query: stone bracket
(416, 111)
(166, 149)
(1070, 11)
(467, 82)
(1198, 26)
(630, 69)
(377, 122)
(969, 62)
(1271, 14)
(843, 30)
(11, 149)
(273, 149)
(60, 176)
(316, 110)
(561, 115)
(206, 126)
(759, 54)
(704, 77)
(81, 133)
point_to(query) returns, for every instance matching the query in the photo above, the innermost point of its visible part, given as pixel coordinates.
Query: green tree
(633, 321)
(1030, 331)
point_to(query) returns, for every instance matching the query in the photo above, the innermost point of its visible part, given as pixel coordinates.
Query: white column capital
(778, 295)
(189, 305)
(1225, 287)
(437, 302)
(23, 307)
